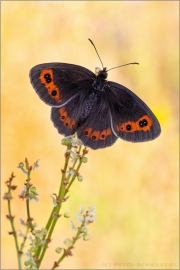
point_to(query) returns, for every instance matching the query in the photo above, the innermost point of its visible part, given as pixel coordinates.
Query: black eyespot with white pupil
(54, 93)
(47, 77)
(93, 137)
(143, 123)
(128, 127)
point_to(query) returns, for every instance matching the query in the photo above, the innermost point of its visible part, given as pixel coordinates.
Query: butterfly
(97, 110)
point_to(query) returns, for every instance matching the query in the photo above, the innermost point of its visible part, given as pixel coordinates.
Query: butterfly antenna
(96, 52)
(133, 63)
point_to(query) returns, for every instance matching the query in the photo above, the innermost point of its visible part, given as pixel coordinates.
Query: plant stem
(80, 163)
(69, 248)
(11, 218)
(24, 240)
(61, 197)
(27, 202)
(53, 218)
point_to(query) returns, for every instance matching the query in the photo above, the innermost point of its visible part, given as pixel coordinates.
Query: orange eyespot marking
(61, 110)
(87, 132)
(47, 78)
(72, 124)
(67, 122)
(104, 134)
(109, 131)
(63, 114)
(142, 124)
(95, 135)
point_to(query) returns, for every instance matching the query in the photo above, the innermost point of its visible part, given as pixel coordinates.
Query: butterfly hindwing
(96, 131)
(68, 117)
(56, 83)
(132, 120)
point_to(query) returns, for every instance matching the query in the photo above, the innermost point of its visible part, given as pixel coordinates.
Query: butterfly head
(101, 73)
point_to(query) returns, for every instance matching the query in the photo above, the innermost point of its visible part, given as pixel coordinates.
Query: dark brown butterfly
(99, 111)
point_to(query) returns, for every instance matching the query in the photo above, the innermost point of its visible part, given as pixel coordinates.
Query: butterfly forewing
(56, 83)
(132, 120)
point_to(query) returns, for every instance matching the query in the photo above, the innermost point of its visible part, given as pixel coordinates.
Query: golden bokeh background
(133, 186)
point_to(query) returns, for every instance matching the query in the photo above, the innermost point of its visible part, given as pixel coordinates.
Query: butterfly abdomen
(88, 106)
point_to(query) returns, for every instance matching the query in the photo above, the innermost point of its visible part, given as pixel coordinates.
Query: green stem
(62, 192)
(15, 236)
(53, 218)
(69, 248)
(47, 228)
(24, 240)
(80, 163)
(27, 203)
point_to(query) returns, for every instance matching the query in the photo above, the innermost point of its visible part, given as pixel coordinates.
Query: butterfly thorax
(98, 87)
(100, 80)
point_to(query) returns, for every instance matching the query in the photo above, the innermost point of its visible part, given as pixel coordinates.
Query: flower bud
(86, 237)
(58, 250)
(33, 189)
(68, 242)
(27, 263)
(80, 178)
(84, 229)
(32, 249)
(84, 159)
(21, 165)
(67, 214)
(65, 141)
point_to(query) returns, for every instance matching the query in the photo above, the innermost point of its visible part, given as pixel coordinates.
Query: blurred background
(133, 186)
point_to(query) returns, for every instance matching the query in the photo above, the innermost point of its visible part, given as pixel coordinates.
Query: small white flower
(73, 227)
(23, 191)
(80, 219)
(91, 210)
(79, 215)
(81, 211)
(74, 155)
(20, 234)
(22, 222)
(30, 238)
(54, 200)
(71, 172)
(75, 141)
(89, 219)
(69, 151)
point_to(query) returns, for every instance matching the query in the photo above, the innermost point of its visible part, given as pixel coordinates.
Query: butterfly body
(99, 111)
